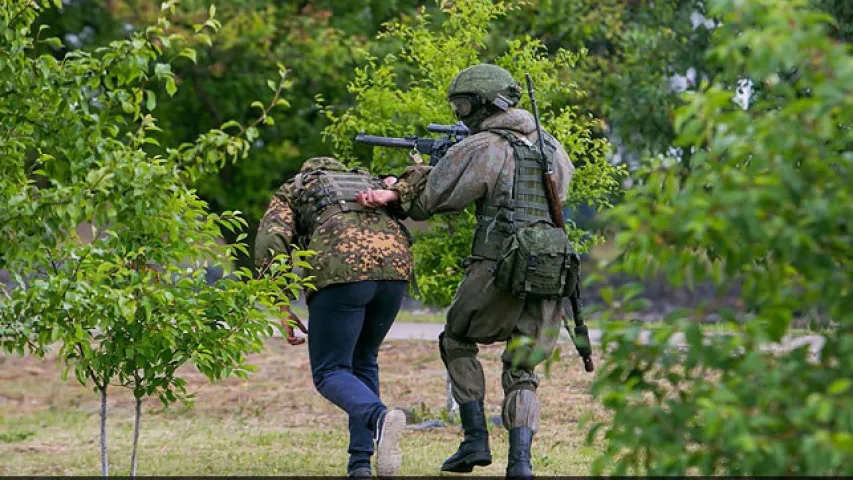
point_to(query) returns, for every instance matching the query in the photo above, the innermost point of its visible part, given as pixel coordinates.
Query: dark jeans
(347, 322)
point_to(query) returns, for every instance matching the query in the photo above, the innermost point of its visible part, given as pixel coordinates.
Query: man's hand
(291, 336)
(376, 198)
(389, 181)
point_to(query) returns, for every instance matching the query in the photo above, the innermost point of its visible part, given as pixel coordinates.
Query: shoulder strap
(512, 137)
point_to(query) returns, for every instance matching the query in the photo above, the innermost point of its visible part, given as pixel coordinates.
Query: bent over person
(361, 271)
(498, 168)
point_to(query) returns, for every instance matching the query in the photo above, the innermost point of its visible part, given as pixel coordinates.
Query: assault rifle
(434, 147)
(581, 333)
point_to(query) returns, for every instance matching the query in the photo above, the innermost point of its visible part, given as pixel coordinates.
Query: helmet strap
(477, 116)
(502, 103)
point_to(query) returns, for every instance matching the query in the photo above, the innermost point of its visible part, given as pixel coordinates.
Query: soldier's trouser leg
(467, 381)
(520, 413)
(468, 385)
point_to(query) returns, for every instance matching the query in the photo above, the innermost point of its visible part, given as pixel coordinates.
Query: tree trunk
(133, 456)
(105, 465)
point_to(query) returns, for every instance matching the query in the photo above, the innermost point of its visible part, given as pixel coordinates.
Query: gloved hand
(584, 347)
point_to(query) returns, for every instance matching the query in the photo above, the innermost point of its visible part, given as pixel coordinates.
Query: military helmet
(488, 84)
(322, 163)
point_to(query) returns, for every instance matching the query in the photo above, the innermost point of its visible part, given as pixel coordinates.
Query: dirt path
(430, 331)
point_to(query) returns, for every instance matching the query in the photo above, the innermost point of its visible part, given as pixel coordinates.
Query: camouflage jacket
(478, 168)
(351, 246)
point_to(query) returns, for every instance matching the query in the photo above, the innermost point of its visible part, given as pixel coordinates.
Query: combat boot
(518, 461)
(474, 449)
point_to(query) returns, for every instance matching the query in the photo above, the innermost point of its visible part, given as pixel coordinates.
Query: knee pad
(521, 409)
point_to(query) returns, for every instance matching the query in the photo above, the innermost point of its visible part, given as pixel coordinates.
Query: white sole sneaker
(388, 455)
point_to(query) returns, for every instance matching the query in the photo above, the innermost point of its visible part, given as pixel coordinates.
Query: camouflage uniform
(353, 246)
(479, 170)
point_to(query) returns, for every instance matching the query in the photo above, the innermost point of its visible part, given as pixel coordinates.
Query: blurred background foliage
(764, 202)
(641, 56)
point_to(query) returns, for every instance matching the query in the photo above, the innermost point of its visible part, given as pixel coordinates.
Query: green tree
(634, 49)
(641, 56)
(766, 202)
(399, 93)
(319, 40)
(130, 305)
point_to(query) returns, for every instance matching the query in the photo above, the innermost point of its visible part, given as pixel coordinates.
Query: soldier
(361, 271)
(482, 170)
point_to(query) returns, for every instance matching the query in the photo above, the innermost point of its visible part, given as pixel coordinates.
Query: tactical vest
(329, 193)
(514, 204)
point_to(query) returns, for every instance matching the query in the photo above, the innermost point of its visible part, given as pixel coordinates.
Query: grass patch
(13, 436)
(273, 424)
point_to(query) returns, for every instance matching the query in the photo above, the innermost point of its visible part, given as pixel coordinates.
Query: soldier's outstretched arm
(464, 175)
(277, 227)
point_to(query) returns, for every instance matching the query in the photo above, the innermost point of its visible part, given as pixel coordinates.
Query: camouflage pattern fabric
(480, 169)
(351, 246)
(485, 80)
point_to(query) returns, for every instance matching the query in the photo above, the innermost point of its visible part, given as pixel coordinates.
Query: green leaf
(204, 38)
(171, 88)
(53, 42)
(229, 124)
(162, 70)
(189, 53)
(151, 100)
(839, 386)
(843, 441)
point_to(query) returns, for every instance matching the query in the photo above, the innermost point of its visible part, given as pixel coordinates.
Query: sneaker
(389, 429)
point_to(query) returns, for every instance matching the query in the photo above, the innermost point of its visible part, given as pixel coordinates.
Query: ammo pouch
(538, 262)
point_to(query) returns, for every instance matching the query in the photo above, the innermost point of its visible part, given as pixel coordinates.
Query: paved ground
(430, 331)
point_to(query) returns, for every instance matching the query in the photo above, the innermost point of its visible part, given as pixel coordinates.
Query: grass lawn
(273, 424)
